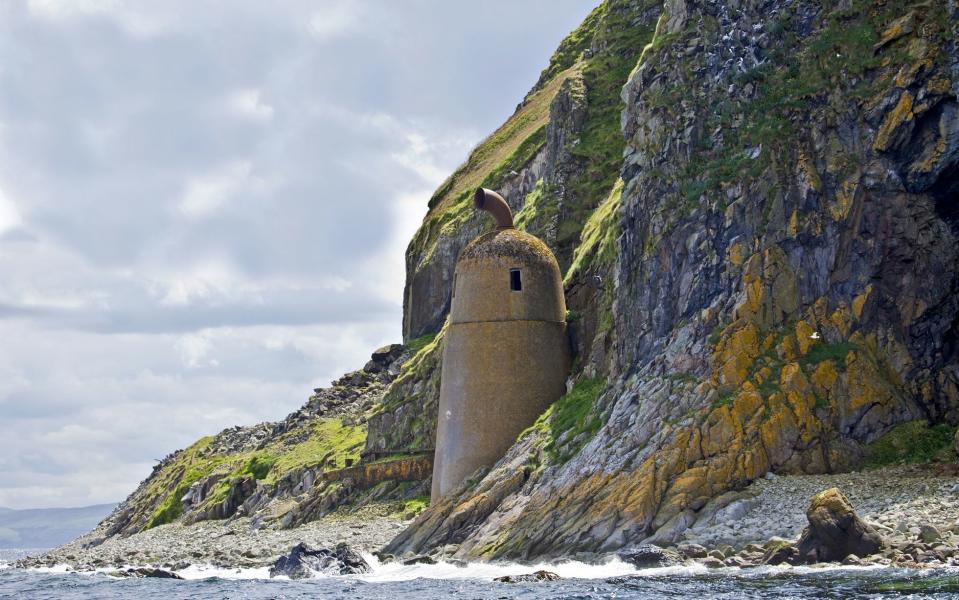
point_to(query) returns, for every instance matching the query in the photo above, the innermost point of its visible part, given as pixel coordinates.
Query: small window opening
(515, 280)
(453, 295)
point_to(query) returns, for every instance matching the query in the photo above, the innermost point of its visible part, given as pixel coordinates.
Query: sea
(393, 581)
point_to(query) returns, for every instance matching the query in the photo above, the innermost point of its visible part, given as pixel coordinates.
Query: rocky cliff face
(781, 262)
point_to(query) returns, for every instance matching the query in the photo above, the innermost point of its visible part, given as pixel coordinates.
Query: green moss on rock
(599, 238)
(913, 442)
(169, 486)
(570, 422)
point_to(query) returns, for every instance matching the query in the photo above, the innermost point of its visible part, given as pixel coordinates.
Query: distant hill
(48, 527)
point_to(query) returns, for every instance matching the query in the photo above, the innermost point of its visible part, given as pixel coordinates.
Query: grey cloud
(209, 208)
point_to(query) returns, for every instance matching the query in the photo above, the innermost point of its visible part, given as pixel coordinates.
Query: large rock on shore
(303, 562)
(145, 572)
(835, 531)
(529, 577)
(647, 556)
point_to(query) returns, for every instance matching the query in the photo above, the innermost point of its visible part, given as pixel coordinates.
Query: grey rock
(712, 563)
(691, 550)
(835, 531)
(648, 556)
(929, 534)
(303, 562)
(536, 576)
(420, 559)
(736, 561)
(783, 553)
(673, 529)
(145, 572)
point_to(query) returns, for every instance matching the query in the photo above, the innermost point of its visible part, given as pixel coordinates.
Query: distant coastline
(43, 528)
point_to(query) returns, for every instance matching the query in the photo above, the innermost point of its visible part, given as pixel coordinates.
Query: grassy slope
(329, 439)
(598, 151)
(509, 147)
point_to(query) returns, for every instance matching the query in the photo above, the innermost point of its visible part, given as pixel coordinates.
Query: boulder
(303, 562)
(383, 357)
(141, 572)
(420, 559)
(835, 531)
(736, 561)
(928, 534)
(712, 563)
(779, 553)
(647, 556)
(529, 577)
(692, 550)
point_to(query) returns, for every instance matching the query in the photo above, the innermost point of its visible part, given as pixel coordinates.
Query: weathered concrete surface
(498, 378)
(483, 280)
(506, 353)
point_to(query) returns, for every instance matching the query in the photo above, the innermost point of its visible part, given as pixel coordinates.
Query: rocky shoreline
(229, 544)
(898, 501)
(913, 509)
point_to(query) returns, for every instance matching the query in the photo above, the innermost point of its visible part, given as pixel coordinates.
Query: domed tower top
(506, 274)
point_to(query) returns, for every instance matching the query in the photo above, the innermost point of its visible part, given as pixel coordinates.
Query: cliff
(771, 287)
(754, 206)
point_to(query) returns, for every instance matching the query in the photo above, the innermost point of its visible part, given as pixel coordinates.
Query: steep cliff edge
(784, 282)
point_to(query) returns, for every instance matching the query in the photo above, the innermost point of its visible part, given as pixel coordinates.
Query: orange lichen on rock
(896, 118)
(736, 353)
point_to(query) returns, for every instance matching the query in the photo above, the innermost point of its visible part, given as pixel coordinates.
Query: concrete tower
(506, 353)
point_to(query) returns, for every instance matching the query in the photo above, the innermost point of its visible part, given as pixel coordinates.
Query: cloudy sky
(204, 206)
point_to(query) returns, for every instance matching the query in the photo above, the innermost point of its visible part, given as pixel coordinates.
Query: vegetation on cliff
(319, 443)
(913, 442)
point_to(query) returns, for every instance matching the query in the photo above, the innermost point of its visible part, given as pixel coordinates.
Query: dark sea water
(446, 581)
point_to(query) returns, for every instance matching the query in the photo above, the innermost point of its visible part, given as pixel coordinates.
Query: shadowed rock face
(835, 531)
(786, 286)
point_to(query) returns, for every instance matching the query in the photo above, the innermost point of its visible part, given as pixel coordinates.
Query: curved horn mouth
(495, 205)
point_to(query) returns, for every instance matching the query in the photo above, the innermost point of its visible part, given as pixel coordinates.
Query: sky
(204, 208)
